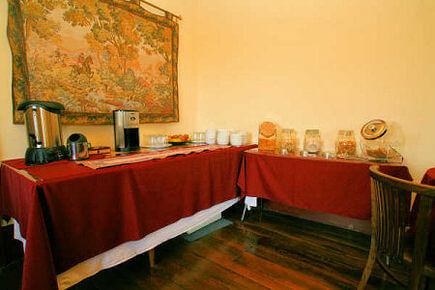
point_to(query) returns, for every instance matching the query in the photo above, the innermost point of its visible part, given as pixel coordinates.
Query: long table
(335, 186)
(69, 213)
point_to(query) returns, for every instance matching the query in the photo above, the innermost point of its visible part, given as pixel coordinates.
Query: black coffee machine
(126, 126)
(44, 135)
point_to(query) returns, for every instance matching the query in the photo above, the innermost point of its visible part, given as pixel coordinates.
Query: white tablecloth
(131, 249)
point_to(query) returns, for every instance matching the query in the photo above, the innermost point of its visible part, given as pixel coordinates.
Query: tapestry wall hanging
(94, 56)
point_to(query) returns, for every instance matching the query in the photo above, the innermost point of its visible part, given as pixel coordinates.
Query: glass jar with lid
(312, 142)
(379, 143)
(267, 136)
(288, 142)
(345, 145)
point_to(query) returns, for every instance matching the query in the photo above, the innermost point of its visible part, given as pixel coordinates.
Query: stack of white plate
(223, 136)
(239, 138)
(210, 136)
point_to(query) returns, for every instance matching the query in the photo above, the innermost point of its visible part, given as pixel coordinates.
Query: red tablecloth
(429, 177)
(74, 213)
(338, 187)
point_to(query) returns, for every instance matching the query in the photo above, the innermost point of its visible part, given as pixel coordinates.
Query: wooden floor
(280, 252)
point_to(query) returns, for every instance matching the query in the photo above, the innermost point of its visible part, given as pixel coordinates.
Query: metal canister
(77, 147)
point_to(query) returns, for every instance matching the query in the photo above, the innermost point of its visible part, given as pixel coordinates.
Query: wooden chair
(389, 221)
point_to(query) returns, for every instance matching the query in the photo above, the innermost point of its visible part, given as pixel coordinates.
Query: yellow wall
(13, 142)
(328, 64)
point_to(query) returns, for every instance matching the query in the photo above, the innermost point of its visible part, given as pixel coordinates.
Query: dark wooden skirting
(280, 252)
(362, 226)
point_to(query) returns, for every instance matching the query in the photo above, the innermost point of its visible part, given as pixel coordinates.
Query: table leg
(244, 212)
(2, 247)
(261, 209)
(151, 258)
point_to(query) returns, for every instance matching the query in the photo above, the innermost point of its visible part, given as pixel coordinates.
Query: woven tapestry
(94, 56)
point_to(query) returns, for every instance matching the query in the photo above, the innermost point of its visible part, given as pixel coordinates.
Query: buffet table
(69, 213)
(334, 186)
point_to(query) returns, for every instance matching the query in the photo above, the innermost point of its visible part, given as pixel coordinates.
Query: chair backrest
(389, 212)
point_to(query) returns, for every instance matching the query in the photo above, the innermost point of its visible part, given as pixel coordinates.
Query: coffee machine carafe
(126, 125)
(42, 119)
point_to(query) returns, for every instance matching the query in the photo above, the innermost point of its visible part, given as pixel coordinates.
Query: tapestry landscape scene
(94, 57)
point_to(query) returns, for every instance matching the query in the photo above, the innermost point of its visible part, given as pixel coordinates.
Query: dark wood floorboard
(280, 252)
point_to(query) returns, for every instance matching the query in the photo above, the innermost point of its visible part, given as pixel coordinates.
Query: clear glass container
(345, 145)
(381, 151)
(380, 142)
(267, 136)
(288, 142)
(156, 140)
(312, 141)
(198, 137)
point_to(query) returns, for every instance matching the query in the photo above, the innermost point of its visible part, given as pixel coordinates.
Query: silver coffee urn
(42, 119)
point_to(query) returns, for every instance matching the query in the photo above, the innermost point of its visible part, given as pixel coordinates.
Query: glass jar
(198, 137)
(380, 143)
(381, 151)
(345, 145)
(288, 141)
(312, 142)
(267, 136)
(155, 140)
